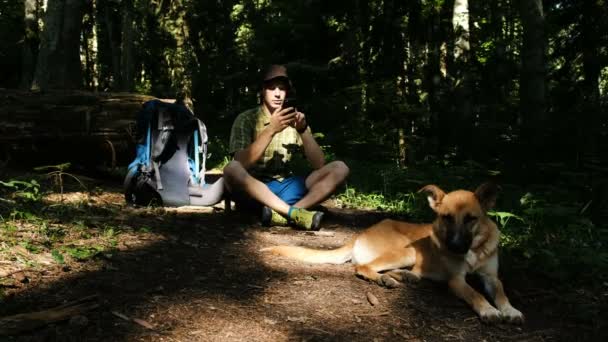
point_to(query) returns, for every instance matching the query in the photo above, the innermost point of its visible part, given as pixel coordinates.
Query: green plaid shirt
(284, 148)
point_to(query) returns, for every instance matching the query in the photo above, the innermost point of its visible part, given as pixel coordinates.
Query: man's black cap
(275, 71)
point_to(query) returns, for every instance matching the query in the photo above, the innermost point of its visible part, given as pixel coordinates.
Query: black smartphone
(289, 102)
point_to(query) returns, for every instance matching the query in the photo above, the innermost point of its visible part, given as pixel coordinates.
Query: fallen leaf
(270, 321)
(296, 319)
(119, 315)
(143, 323)
(372, 299)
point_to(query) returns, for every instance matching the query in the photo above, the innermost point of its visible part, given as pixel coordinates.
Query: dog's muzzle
(458, 243)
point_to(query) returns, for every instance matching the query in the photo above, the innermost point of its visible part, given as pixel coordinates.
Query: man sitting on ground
(263, 141)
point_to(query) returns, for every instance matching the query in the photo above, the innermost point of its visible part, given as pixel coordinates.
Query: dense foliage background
(405, 79)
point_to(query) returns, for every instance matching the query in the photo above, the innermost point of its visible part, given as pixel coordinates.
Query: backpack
(169, 166)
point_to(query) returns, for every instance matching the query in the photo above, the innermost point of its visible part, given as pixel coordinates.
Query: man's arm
(312, 150)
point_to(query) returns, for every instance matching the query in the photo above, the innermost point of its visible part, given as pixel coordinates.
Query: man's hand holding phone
(282, 118)
(299, 122)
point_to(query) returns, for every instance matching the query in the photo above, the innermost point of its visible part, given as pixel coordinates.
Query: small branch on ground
(16, 324)
(373, 314)
(139, 321)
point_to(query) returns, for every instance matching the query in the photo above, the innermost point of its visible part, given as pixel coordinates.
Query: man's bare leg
(237, 177)
(322, 183)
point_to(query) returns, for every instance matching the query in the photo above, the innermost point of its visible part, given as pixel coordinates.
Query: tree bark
(58, 63)
(30, 43)
(532, 83)
(127, 62)
(114, 48)
(89, 46)
(462, 77)
(590, 122)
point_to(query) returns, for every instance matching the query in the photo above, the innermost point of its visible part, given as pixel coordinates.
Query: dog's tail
(314, 256)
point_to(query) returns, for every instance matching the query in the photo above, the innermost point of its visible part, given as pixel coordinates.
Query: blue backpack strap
(202, 130)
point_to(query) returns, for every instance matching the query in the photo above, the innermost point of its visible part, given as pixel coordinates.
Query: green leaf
(57, 256)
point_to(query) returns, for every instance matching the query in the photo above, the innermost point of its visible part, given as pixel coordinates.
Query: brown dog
(461, 240)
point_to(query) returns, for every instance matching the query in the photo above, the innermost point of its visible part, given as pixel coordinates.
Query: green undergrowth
(35, 232)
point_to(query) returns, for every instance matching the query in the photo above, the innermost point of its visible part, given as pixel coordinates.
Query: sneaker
(272, 218)
(307, 219)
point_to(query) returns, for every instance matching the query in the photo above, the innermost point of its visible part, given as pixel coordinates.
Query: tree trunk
(435, 75)
(59, 58)
(402, 148)
(89, 46)
(590, 122)
(532, 83)
(460, 22)
(462, 77)
(30, 44)
(115, 78)
(414, 56)
(363, 53)
(127, 62)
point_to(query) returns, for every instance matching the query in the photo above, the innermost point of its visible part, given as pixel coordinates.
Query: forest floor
(196, 274)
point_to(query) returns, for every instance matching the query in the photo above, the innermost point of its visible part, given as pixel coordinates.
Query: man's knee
(339, 169)
(234, 173)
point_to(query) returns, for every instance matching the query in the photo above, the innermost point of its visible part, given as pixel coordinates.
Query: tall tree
(127, 62)
(109, 43)
(461, 73)
(58, 63)
(30, 43)
(11, 40)
(89, 47)
(591, 70)
(532, 82)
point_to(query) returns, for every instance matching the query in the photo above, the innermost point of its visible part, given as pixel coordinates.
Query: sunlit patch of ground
(78, 197)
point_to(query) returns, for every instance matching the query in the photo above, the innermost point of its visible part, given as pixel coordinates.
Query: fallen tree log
(39, 128)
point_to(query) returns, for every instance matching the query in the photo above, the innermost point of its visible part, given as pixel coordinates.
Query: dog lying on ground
(461, 240)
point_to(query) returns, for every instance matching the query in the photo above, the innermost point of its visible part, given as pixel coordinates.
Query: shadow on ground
(198, 276)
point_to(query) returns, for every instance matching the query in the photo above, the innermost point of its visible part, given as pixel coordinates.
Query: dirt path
(197, 275)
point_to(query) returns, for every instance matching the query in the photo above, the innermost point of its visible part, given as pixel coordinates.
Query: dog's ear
(486, 195)
(434, 195)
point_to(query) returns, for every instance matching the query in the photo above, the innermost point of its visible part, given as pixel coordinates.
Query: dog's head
(459, 214)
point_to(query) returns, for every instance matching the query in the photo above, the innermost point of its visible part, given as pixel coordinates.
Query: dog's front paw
(388, 281)
(512, 315)
(404, 276)
(410, 276)
(489, 314)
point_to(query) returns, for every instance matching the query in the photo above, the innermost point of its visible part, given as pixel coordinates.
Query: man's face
(274, 93)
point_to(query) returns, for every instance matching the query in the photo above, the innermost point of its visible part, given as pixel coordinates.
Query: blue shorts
(290, 190)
